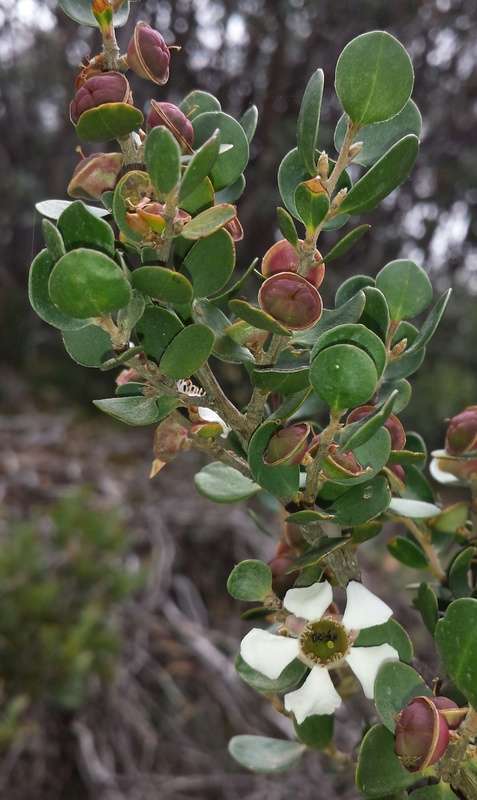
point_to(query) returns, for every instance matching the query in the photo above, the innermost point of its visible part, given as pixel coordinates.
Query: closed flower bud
(283, 257)
(109, 87)
(422, 734)
(288, 445)
(172, 118)
(461, 434)
(148, 55)
(94, 175)
(291, 300)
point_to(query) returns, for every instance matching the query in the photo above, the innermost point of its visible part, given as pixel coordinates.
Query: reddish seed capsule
(461, 434)
(172, 118)
(109, 87)
(283, 257)
(451, 712)
(148, 55)
(94, 175)
(288, 445)
(291, 300)
(422, 734)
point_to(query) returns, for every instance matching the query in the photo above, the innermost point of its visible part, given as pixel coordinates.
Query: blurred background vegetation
(115, 634)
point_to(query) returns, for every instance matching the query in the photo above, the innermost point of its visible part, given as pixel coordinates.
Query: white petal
(439, 475)
(316, 696)
(366, 661)
(309, 602)
(267, 652)
(209, 415)
(363, 608)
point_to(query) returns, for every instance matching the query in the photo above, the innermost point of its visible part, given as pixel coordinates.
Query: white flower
(325, 643)
(208, 415)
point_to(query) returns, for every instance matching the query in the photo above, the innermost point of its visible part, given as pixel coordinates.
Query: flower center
(324, 642)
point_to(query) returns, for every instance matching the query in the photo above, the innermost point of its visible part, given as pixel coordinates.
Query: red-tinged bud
(126, 376)
(393, 424)
(341, 465)
(283, 257)
(291, 300)
(170, 439)
(451, 712)
(171, 117)
(234, 227)
(288, 445)
(153, 215)
(109, 87)
(422, 734)
(148, 55)
(280, 565)
(461, 434)
(94, 175)
(398, 471)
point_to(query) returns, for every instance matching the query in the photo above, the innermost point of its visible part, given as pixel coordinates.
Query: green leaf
(233, 192)
(281, 481)
(362, 503)
(248, 121)
(312, 207)
(156, 329)
(316, 731)
(431, 323)
(374, 77)
(460, 582)
(406, 288)
(250, 580)
(39, 296)
(162, 155)
(438, 791)
(315, 555)
(309, 120)
(200, 165)
(426, 603)
(256, 317)
(80, 11)
(262, 754)
(211, 262)
(90, 346)
(396, 685)
(209, 221)
(287, 680)
(359, 432)
(230, 291)
(200, 199)
(223, 484)
(408, 552)
(198, 102)
(230, 164)
(188, 351)
(350, 287)
(391, 632)
(162, 284)
(287, 226)
(284, 379)
(357, 335)
(53, 240)
(415, 509)
(456, 638)
(53, 209)
(451, 518)
(108, 121)
(137, 411)
(404, 366)
(348, 312)
(225, 348)
(307, 517)
(86, 283)
(343, 376)
(346, 243)
(376, 312)
(379, 772)
(386, 175)
(80, 228)
(377, 139)
(417, 486)
(404, 392)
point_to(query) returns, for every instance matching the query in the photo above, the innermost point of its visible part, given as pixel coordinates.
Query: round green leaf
(156, 330)
(198, 102)
(80, 11)
(256, 317)
(309, 120)
(357, 335)
(90, 346)
(230, 164)
(406, 287)
(80, 228)
(350, 311)
(211, 262)
(261, 754)
(460, 578)
(351, 286)
(163, 159)
(376, 312)
(39, 295)
(137, 411)
(386, 175)
(162, 284)
(374, 77)
(209, 221)
(250, 580)
(344, 376)
(85, 283)
(391, 632)
(377, 139)
(248, 121)
(396, 684)
(287, 680)
(456, 638)
(224, 484)
(362, 503)
(53, 240)
(281, 481)
(108, 121)
(316, 731)
(438, 791)
(408, 552)
(188, 351)
(379, 772)
(233, 192)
